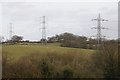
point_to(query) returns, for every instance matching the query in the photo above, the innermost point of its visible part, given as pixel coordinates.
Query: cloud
(60, 17)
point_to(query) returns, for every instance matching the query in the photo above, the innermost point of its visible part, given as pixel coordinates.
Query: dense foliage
(74, 41)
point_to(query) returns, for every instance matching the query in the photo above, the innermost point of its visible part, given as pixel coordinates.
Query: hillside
(17, 51)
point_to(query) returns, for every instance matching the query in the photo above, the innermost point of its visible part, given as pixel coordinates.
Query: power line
(99, 28)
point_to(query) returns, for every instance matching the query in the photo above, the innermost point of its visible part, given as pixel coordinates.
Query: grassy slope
(18, 51)
(78, 60)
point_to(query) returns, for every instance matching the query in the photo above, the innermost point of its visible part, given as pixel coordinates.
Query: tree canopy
(16, 38)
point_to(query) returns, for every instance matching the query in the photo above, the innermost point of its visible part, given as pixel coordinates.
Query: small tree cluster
(16, 38)
(71, 40)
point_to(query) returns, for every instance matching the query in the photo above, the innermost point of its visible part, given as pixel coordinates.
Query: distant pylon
(99, 27)
(43, 40)
(11, 31)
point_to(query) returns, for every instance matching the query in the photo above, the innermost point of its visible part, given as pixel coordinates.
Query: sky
(62, 16)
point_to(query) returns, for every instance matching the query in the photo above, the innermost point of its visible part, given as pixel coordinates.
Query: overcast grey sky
(73, 17)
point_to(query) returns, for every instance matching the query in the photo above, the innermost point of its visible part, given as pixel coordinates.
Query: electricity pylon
(99, 28)
(11, 31)
(43, 40)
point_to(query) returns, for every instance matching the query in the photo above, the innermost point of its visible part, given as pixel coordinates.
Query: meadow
(18, 51)
(47, 61)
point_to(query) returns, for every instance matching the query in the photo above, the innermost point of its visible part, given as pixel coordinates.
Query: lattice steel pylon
(11, 31)
(43, 40)
(99, 28)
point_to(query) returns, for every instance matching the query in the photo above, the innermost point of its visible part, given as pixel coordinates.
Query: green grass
(18, 51)
(29, 58)
(0, 51)
(34, 59)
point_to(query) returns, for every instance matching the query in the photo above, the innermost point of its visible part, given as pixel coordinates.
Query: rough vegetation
(57, 63)
(106, 60)
(69, 61)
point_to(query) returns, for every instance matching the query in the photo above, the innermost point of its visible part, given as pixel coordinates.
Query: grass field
(18, 51)
(51, 60)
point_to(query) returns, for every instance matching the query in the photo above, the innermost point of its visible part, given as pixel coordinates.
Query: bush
(106, 60)
(44, 69)
(68, 72)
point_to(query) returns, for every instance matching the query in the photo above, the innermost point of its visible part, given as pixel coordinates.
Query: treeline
(70, 40)
(65, 40)
(76, 41)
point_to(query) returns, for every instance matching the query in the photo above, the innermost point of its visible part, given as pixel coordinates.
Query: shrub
(44, 69)
(106, 60)
(68, 72)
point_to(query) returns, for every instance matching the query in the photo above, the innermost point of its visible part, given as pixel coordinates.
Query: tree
(71, 40)
(16, 38)
(1, 39)
(52, 39)
(92, 43)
